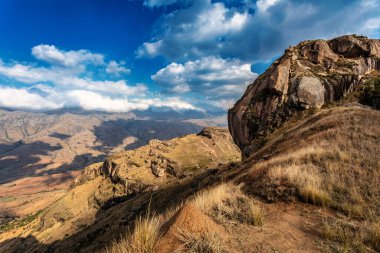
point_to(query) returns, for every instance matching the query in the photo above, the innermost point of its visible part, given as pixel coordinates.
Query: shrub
(371, 93)
(143, 239)
(200, 243)
(226, 202)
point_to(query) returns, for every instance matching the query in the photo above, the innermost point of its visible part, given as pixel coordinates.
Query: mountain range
(298, 170)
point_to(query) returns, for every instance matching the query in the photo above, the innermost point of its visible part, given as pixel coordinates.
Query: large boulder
(307, 76)
(307, 92)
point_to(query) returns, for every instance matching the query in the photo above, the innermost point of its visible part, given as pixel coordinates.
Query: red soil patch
(189, 219)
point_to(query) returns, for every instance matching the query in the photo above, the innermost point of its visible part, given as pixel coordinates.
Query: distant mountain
(44, 151)
(304, 176)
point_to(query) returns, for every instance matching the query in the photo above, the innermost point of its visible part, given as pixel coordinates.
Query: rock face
(161, 161)
(306, 76)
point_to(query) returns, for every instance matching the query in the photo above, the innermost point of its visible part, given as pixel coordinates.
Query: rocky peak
(308, 75)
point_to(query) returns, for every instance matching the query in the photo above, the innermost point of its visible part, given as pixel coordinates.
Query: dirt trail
(286, 228)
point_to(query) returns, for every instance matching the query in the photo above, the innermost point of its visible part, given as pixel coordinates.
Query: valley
(41, 153)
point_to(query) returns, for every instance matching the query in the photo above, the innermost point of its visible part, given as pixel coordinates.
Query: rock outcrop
(308, 75)
(161, 162)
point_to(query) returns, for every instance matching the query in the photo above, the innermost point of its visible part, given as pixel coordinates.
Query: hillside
(309, 75)
(41, 153)
(309, 180)
(127, 176)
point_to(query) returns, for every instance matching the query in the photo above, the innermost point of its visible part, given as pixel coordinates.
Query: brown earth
(41, 153)
(127, 176)
(188, 219)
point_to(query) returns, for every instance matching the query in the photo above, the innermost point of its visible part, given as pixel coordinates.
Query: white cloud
(47, 98)
(209, 75)
(369, 3)
(223, 104)
(255, 32)
(263, 5)
(53, 55)
(200, 24)
(23, 99)
(68, 79)
(174, 103)
(372, 24)
(117, 69)
(67, 83)
(89, 100)
(149, 49)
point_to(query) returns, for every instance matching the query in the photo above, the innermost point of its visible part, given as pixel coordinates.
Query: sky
(181, 55)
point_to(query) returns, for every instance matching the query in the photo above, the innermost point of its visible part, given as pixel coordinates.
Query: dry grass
(373, 236)
(343, 236)
(329, 159)
(306, 178)
(199, 243)
(227, 203)
(142, 240)
(255, 214)
(206, 200)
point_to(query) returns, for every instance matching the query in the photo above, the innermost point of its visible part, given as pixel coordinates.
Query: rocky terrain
(309, 179)
(41, 153)
(309, 75)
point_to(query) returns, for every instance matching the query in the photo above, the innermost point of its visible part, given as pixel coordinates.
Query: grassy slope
(95, 205)
(326, 164)
(314, 186)
(330, 159)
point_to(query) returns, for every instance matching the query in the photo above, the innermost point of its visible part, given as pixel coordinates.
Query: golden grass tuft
(143, 239)
(343, 236)
(373, 236)
(199, 243)
(226, 202)
(306, 178)
(314, 195)
(206, 200)
(255, 214)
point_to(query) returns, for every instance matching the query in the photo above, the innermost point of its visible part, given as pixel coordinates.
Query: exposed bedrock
(308, 75)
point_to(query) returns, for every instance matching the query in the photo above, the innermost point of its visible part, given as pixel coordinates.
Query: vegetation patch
(227, 203)
(16, 223)
(342, 236)
(200, 243)
(142, 239)
(345, 64)
(7, 199)
(371, 93)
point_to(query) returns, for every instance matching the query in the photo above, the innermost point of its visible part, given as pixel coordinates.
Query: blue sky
(123, 55)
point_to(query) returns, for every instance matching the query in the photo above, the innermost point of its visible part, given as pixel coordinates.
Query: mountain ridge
(309, 183)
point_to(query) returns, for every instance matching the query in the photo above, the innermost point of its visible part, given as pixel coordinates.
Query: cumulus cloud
(117, 69)
(22, 99)
(223, 103)
(214, 76)
(263, 5)
(67, 83)
(372, 24)
(53, 55)
(42, 98)
(255, 32)
(196, 28)
(67, 78)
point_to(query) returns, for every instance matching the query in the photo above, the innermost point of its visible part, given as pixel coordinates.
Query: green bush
(371, 93)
